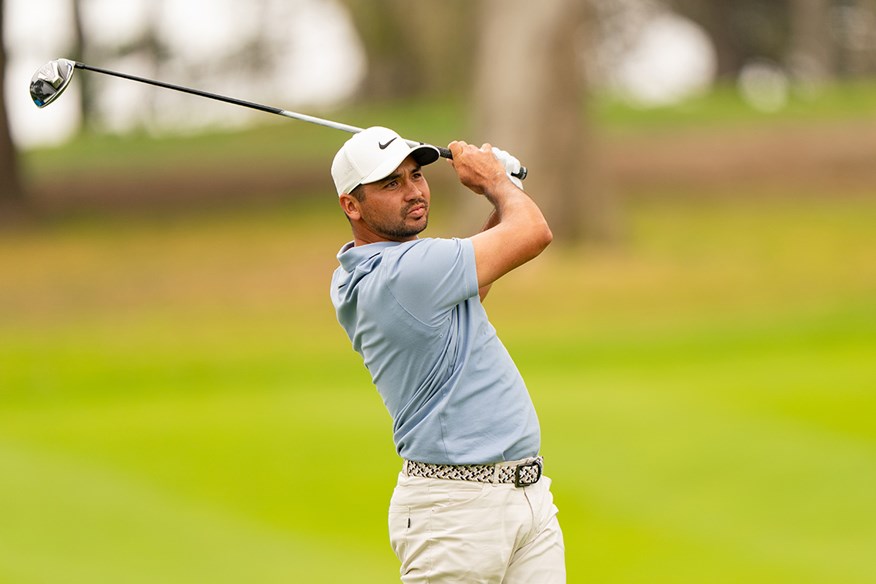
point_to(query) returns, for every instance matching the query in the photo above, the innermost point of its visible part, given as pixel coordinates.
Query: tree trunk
(717, 20)
(11, 191)
(740, 31)
(529, 100)
(414, 48)
(812, 52)
(79, 53)
(868, 40)
(860, 43)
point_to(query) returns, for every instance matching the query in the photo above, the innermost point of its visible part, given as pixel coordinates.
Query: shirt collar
(352, 255)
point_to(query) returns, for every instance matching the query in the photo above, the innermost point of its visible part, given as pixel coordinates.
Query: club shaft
(444, 152)
(232, 100)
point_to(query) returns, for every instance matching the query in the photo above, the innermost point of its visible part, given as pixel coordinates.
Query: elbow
(545, 237)
(538, 241)
(548, 235)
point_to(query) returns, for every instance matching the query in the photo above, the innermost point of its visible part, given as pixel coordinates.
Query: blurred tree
(11, 191)
(79, 53)
(854, 25)
(259, 52)
(741, 31)
(414, 48)
(817, 40)
(812, 44)
(529, 99)
(147, 45)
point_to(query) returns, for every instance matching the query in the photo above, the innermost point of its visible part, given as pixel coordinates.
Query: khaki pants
(460, 531)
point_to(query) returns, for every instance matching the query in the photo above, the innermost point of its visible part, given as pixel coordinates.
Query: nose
(413, 191)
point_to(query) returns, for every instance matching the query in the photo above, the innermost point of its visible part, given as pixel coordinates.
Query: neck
(367, 236)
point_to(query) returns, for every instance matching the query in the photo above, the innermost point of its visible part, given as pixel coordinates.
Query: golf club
(50, 81)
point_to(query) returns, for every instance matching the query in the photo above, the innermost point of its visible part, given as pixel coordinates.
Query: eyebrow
(398, 175)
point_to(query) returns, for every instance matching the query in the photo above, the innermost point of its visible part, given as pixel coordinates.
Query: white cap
(373, 154)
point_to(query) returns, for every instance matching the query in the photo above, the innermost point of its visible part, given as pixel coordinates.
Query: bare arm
(492, 221)
(516, 232)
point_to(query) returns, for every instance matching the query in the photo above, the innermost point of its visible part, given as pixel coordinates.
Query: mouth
(418, 211)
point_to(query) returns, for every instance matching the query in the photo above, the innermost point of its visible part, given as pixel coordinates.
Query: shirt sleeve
(431, 276)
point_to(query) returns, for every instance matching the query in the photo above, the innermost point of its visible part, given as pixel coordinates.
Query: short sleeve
(431, 276)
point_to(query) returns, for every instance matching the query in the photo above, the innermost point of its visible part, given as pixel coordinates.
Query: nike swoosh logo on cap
(385, 146)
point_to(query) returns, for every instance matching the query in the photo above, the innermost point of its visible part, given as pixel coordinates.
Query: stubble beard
(401, 230)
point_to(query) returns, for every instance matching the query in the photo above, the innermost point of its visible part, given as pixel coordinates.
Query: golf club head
(50, 81)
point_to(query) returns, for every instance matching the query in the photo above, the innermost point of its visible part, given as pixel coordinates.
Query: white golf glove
(512, 165)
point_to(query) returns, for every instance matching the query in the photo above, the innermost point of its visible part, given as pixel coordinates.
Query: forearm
(517, 231)
(492, 221)
(521, 220)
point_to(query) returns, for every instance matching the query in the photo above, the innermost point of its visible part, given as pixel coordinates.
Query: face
(393, 209)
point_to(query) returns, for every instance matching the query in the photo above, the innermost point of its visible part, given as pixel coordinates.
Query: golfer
(472, 503)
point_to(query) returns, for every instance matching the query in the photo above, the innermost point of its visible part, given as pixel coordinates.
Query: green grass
(170, 386)
(171, 390)
(724, 107)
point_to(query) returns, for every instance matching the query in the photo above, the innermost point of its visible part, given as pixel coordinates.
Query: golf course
(179, 405)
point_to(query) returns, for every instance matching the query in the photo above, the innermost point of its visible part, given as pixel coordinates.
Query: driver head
(50, 81)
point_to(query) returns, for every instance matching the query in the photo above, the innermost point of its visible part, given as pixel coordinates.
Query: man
(471, 503)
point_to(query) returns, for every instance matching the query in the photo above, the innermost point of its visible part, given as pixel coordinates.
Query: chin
(411, 232)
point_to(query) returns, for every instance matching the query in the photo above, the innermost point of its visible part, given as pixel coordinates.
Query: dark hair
(358, 193)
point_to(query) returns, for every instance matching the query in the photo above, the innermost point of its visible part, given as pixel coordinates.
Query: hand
(477, 168)
(512, 165)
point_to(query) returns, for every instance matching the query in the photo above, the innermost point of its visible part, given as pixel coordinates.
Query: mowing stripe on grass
(68, 520)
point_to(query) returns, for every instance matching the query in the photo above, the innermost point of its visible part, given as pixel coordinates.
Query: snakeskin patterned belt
(520, 474)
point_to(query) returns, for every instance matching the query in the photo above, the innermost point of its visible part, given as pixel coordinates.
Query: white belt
(520, 474)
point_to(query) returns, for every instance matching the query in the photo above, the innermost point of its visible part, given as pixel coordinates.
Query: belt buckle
(518, 471)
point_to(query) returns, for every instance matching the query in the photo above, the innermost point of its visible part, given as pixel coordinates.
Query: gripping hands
(481, 169)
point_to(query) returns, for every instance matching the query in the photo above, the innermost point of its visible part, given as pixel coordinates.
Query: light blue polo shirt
(412, 311)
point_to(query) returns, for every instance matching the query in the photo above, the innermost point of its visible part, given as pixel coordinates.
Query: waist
(520, 473)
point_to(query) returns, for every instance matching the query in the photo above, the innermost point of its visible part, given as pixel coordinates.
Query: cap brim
(423, 155)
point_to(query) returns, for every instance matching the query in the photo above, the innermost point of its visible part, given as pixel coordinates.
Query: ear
(350, 206)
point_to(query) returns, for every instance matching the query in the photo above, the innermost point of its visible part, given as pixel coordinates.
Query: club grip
(445, 153)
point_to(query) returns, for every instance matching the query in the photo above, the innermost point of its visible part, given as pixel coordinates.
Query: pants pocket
(399, 523)
(410, 534)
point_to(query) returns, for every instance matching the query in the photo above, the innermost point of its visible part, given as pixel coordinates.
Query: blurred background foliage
(178, 404)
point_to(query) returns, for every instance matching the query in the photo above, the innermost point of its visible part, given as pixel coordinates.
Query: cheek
(375, 211)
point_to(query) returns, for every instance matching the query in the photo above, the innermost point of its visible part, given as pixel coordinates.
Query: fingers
(460, 147)
(456, 147)
(478, 168)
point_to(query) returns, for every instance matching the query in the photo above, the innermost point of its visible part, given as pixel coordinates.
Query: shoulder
(434, 247)
(431, 254)
(433, 271)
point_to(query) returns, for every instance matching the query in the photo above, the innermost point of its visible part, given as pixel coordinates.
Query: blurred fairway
(179, 405)
(173, 389)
